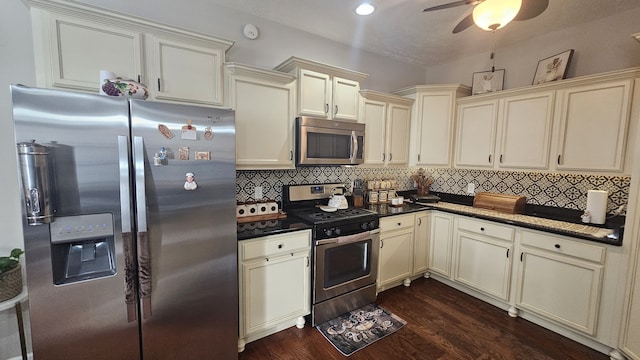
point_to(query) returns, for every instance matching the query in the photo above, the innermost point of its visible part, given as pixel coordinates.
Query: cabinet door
(476, 134)
(264, 124)
(436, 128)
(631, 332)
(561, 288)
(186, 72)
(526, 123)
(80, 49)
(483, 263)
(440, 243)
(421, 243)
(346, 97)
(398, 127)
(395, 259)
(374, 115)
(314, 93)
(593, 126)
(274, 290)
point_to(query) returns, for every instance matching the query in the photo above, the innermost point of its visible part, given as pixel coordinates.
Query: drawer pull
(481, 229)
(399, 224)
(557, 246)
(280, 246)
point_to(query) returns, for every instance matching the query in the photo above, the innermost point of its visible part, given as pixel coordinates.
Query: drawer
(274, 245)
(564, 246)
(486, 228)
(396, 222)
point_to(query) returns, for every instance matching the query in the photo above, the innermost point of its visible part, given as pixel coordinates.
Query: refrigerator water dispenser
(82, 248)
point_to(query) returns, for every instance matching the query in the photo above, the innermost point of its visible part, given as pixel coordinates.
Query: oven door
(330, 146)
(345, 264)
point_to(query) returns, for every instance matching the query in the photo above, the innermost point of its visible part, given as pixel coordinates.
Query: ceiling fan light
(365, 9)
(492, 15)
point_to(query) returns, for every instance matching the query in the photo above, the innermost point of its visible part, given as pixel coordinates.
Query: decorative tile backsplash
(549, 189)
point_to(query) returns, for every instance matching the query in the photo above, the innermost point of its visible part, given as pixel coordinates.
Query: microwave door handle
(354, 147)
(127, 238)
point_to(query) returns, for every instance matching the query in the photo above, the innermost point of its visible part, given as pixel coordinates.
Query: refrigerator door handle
(144, 259)
(127, 238)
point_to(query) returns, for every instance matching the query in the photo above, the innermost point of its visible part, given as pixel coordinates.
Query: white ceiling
(399, 29)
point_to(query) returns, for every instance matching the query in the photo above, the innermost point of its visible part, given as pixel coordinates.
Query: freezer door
(184, 160)
(76, 265)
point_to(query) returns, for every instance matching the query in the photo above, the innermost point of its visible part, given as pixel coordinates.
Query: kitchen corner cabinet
(274, 284)
(441, 243)
(483, 256)
(432, 122)
(264, 104)
(73, 43)
(593, 125)
(476, 133)
(396, 250)
(421, 243)
(388, 123)
(325, 91)
(560, 279)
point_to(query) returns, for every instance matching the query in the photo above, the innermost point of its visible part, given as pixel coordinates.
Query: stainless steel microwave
(328, 142)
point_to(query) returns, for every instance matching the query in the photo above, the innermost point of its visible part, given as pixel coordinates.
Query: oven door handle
(347, 239)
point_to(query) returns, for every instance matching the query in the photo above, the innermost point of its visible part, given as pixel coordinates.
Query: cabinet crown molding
(88, 11)
(623, 74)
(386, 97)
(258, 73)
(461, 90)
(293, 63)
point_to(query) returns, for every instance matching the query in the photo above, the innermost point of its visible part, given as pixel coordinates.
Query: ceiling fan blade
(453, 4)
(463, 24)
(531, 9)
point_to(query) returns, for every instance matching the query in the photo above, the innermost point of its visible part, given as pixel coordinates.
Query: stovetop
(318, 216)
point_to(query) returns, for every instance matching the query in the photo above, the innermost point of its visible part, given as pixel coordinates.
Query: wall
(600, 46)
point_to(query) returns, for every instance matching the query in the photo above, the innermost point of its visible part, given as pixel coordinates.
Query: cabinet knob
(326, 108)
(399, 224)
(336, 113)
(390, 156)
(481, 229)
(280, 246)
(557, 246)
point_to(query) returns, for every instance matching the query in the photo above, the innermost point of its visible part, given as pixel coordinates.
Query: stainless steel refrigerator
(129, 226)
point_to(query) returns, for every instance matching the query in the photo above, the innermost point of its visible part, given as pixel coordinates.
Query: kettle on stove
(338, 200)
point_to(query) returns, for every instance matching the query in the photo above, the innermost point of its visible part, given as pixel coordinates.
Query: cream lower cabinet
(421, 243)
(274, 278)
(483, 253)
(560, 279)
(264, 102)
(73, 43)
(440, 243)
(395, 261)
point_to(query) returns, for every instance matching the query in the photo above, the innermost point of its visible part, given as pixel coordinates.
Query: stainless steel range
(345, 251)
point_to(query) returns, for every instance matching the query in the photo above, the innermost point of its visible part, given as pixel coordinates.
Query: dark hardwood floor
(442, 323)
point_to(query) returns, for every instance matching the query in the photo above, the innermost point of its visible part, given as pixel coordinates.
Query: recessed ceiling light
(364, 9)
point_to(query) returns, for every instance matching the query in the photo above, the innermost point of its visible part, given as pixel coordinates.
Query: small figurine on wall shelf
(190, 184)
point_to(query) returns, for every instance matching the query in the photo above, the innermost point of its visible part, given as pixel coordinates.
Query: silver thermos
(34, 164)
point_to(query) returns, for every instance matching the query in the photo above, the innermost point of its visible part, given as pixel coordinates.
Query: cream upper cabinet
(476, 134)
(70, 51)
(264, 104)
(73, 43)
(325, 91)
(432, 121)
(593, 125)
(573, 297)
(483, 253)
(524, 126)
(388, 122)
(185, 71)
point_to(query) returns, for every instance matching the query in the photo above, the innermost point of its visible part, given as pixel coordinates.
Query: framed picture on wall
(487, 81)
(553, 68)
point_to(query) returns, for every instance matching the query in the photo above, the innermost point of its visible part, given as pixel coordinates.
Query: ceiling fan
(524, 10)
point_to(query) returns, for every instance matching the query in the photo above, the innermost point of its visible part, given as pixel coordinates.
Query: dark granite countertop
(269, 227)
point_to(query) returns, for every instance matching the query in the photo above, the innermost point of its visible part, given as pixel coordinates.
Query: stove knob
(364, 226)
(372, 225)
(328, 232)
(338, 231)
